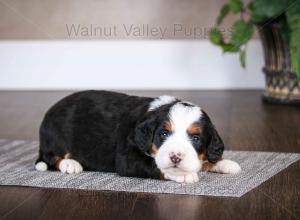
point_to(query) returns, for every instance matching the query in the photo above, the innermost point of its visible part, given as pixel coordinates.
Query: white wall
(149, 64)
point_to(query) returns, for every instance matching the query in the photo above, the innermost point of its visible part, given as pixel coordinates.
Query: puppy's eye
(196, 138)
(164, 134)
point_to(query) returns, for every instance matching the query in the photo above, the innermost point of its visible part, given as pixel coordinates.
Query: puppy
(161, 138)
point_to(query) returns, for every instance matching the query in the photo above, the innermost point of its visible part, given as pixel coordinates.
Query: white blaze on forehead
(182, 117)
(160, 101)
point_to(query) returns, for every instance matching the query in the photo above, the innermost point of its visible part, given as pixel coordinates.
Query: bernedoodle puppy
(161, 138)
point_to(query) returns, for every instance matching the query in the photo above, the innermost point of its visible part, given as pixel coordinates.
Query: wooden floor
(244, 122)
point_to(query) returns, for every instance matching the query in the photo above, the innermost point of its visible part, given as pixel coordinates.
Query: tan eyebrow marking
(168, 126)
(194, 129)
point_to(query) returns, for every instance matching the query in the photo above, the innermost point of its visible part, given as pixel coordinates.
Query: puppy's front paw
(228, 167)
(191, 178)
(70, 166)
(188, 178)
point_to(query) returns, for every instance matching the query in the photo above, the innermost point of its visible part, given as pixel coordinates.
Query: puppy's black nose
(175, 158)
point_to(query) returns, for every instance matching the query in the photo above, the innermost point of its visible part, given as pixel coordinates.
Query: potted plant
(278, 24)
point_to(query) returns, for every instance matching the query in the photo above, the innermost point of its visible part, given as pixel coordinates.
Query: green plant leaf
(242, 32)
(224, 11)
(242, 57)
(293, 19)
(236, 6)
(216, 36)
(262, 10)
(231, 48)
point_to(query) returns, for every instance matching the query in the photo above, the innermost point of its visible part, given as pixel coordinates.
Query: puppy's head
(179, 136)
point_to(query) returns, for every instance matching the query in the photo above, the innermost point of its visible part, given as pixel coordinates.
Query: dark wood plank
(284, 189)
(254, 205)
(77, 204)
(73, 204)
(244, 122)
(12, 197)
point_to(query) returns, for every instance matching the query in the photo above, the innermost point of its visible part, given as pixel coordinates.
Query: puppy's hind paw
(227, 167)
(70, 166)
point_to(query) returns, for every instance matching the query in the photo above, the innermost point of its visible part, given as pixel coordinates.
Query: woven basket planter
(282, 86)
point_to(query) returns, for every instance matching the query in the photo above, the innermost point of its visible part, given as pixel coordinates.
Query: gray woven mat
(17, 168)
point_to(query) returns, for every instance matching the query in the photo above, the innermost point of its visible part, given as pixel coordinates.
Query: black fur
(112, 132)
(214, 146)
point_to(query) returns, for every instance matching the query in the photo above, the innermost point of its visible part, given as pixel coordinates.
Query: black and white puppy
(163, 138)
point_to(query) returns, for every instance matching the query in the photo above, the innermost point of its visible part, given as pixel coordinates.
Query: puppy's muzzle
(175, 157)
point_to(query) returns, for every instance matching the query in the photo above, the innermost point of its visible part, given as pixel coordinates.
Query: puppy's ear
(215, 148)
(144, 132)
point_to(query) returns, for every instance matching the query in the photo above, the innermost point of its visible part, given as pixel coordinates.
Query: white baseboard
(149, 64)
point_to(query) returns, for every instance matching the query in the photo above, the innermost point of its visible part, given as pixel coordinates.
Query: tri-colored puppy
(134, 136)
